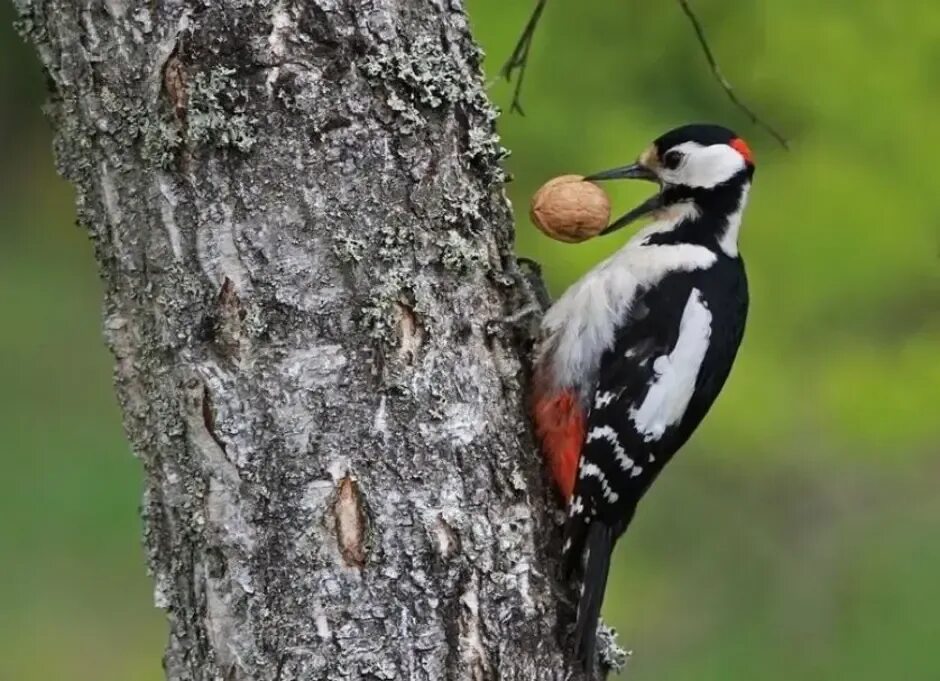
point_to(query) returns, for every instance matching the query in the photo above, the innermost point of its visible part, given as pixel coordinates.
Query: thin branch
(519, 58)
(722, 81)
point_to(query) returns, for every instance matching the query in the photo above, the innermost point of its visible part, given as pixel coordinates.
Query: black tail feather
(597, 549)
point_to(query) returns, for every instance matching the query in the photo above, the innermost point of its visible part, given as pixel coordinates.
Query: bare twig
(519, 58)
(722, 81)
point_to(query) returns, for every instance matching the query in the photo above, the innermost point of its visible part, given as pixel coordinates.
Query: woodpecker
(633, 355)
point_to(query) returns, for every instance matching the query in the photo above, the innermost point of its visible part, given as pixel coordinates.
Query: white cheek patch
(705, 167)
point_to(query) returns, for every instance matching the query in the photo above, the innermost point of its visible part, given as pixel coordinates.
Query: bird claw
(531, 275)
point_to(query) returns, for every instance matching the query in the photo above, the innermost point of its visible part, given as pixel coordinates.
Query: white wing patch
(675, 374)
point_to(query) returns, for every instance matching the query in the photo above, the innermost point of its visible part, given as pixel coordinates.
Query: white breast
(580, 326)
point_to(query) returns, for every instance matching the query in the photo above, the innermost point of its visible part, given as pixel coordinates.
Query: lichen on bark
(298, 215)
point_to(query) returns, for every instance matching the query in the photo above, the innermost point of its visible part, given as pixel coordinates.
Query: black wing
(615, 456)
(618, 461)
(613, 461)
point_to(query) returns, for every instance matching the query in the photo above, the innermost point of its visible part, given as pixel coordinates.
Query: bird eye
(672, 159)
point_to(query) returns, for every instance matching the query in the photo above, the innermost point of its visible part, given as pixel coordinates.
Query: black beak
(634, 171)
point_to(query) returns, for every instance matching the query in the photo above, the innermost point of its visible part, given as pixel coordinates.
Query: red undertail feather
(560, 426)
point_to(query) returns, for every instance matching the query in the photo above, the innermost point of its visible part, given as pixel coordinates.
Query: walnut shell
(568, 209)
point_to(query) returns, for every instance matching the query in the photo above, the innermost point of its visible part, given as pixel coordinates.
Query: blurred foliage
(795, 537)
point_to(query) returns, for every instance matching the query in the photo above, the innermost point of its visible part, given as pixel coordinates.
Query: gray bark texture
(298, 214)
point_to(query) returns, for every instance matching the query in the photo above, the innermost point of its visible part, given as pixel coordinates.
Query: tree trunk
(297, 212)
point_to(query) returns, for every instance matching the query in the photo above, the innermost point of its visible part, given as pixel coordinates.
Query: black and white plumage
(645, 341)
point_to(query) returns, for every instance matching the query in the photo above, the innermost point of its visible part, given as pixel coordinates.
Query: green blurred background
(797, 537)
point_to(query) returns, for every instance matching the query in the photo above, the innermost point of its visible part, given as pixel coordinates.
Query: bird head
(690, 164)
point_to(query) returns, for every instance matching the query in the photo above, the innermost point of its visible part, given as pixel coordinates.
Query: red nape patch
(560, 426)
(740, 146)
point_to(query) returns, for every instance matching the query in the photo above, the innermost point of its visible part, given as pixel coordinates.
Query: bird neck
(713, 217)
(728, 239)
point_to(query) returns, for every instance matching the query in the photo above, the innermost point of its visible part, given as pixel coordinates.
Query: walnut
(568, 209)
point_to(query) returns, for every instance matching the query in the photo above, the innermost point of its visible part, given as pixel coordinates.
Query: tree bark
(298, 214)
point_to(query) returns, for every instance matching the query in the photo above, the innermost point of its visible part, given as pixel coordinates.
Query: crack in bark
(351, 524)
